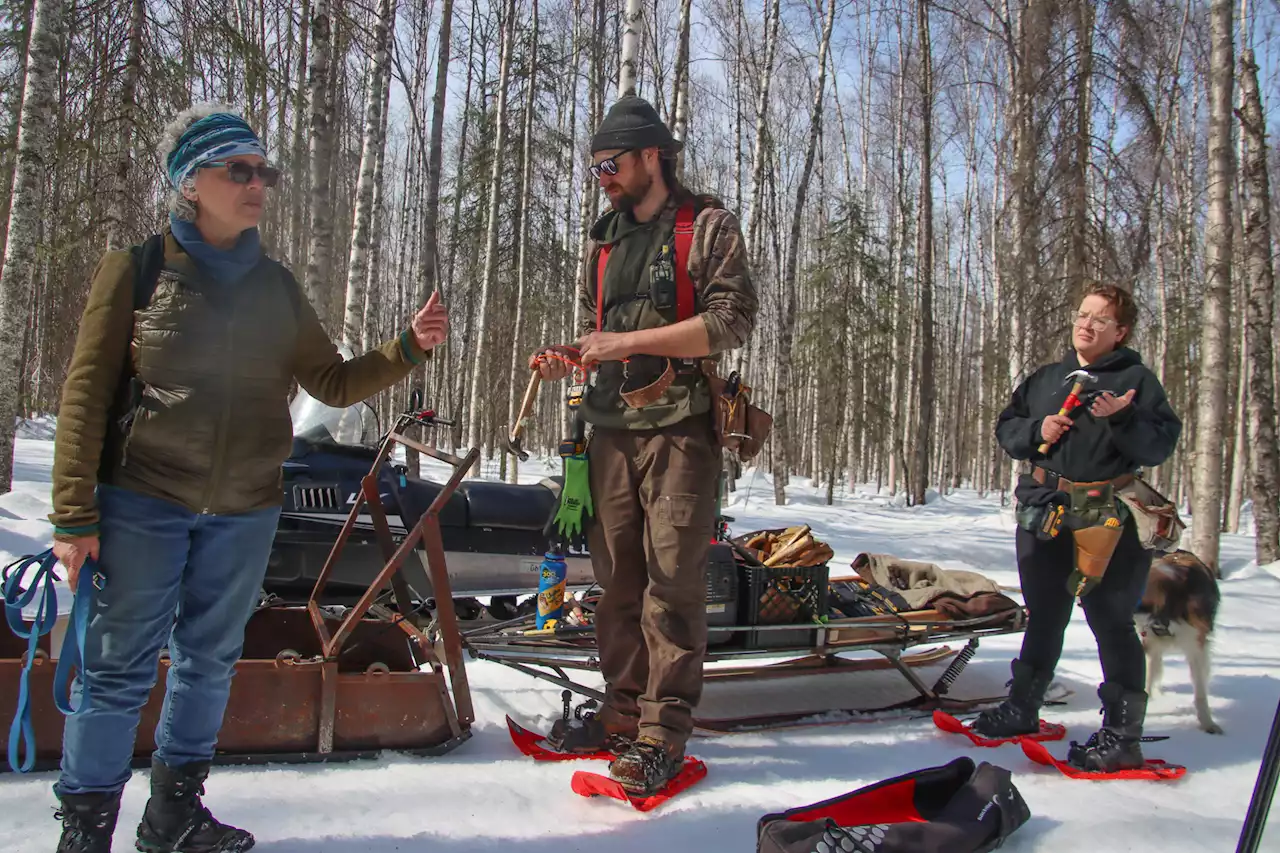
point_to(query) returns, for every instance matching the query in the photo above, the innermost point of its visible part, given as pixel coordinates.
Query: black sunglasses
(242, 173)
(608, 167)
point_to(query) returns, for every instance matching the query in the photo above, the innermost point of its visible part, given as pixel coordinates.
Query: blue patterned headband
(211, 138)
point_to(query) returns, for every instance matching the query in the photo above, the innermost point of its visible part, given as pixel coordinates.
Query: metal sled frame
(551, 655)
(427, 532)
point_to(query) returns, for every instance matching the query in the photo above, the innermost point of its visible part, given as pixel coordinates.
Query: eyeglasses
(1083, 318)
(242, 173)
(609, 166)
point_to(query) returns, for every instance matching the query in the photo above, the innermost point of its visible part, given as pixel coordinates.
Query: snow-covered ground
(485, 797)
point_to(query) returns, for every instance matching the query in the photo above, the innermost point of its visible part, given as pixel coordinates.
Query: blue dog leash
(16, 598)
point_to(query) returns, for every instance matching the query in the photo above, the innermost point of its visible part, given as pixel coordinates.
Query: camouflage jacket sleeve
(718, 266)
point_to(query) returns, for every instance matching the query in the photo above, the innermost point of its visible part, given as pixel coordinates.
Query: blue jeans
(172, 577)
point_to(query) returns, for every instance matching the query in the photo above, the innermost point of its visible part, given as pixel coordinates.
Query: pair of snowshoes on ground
(641, 772)
(1112, 752)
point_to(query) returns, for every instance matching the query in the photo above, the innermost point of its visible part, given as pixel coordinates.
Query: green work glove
(575, 497)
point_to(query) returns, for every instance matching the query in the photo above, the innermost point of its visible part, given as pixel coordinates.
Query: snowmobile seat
(415, 496)
(511, 507)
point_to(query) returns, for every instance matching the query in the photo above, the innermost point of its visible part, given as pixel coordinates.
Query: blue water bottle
(551, 585)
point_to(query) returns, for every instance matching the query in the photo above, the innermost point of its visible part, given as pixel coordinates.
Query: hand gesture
(551, 369)
(1053, 427)
(431, 324)
(1107, 404)
(604, 346)
(72, 554)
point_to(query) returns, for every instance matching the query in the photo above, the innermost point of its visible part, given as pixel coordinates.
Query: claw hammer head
(1084, 377)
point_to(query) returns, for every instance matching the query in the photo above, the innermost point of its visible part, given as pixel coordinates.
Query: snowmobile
(495, 534)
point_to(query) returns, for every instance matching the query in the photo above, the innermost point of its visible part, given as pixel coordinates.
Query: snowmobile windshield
(318, 424)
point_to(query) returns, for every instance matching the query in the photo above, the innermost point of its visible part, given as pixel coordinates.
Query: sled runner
(948, 723)
(589, 784)
(1153, 769)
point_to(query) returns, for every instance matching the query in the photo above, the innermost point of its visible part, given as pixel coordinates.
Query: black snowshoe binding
(646, 768)
(88, 821)
(584, 733)
(1020, 713)
(1115, 746)
(176, 821)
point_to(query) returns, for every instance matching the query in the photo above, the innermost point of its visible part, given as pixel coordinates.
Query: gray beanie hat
(633, 123)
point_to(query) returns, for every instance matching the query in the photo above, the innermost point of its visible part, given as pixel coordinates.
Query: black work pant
(1043, 568)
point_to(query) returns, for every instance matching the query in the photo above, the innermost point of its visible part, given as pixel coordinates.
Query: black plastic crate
(782, 596)
(722, 593)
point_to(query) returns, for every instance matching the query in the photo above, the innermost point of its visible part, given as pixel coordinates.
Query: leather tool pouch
(740, 426)
(1154, 516)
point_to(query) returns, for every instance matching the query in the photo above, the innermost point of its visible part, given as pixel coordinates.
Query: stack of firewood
(794, 547)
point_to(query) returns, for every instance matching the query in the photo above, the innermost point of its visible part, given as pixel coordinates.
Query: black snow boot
(88, 820)
(1117, 745)
(176, 821)
(1019, 714)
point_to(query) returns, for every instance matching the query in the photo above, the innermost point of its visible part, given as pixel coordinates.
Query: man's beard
(627, 200)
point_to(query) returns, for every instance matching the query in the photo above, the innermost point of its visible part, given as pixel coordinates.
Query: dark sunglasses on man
(609, 166)
(242, 173)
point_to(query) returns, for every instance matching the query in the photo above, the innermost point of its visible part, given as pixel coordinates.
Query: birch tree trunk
(1215, 349)
(681, 95)
(120, 193)
(358, 264)
(320, 252)
(475, 416)
(31, 166)
(924, 266)
(758, 155)
(1260, 313)
(786, 332)
(519, 368)
(629, 61)
(297, 242)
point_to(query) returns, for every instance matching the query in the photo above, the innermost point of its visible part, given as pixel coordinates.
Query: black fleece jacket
(1143, 433)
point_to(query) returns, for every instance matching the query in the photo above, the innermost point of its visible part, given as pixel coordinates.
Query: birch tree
(1215, 346)
(629, 60)
(1260, 313)
(31, 167)
(358, 263)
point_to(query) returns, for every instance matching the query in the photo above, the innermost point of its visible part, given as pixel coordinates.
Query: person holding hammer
(1085, 426)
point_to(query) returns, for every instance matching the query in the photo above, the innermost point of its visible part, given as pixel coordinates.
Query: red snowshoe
(534, 745)
(1153, 769)
(588, 784)
(948, 723)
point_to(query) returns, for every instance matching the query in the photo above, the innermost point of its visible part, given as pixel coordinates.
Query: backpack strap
(148, 259)
(684, 284)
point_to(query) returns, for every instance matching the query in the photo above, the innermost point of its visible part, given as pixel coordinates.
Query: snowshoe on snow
(541, 748)
(1151, 768)
(646, 776)
(948, 723)
(1019, 714)
(1114, 747)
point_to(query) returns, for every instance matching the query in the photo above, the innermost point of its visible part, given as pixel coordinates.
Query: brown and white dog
(1178, 611)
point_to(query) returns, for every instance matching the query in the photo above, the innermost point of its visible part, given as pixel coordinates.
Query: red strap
(684, 284)
(684, 244)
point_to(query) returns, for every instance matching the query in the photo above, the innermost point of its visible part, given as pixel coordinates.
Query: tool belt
(638, 396)
(740, 426)
(1155, 517)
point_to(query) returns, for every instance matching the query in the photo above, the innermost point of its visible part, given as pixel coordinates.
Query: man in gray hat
(667, 286)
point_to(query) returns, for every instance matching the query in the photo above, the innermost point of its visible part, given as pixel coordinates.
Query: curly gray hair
(179, 205)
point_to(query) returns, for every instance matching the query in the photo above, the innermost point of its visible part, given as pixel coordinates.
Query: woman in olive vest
(1079, 462)
(173, 426)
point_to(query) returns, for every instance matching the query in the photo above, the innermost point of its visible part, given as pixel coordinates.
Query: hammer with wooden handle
(1082, 378)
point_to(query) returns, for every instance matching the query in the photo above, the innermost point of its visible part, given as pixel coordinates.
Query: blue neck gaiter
(221, 265)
